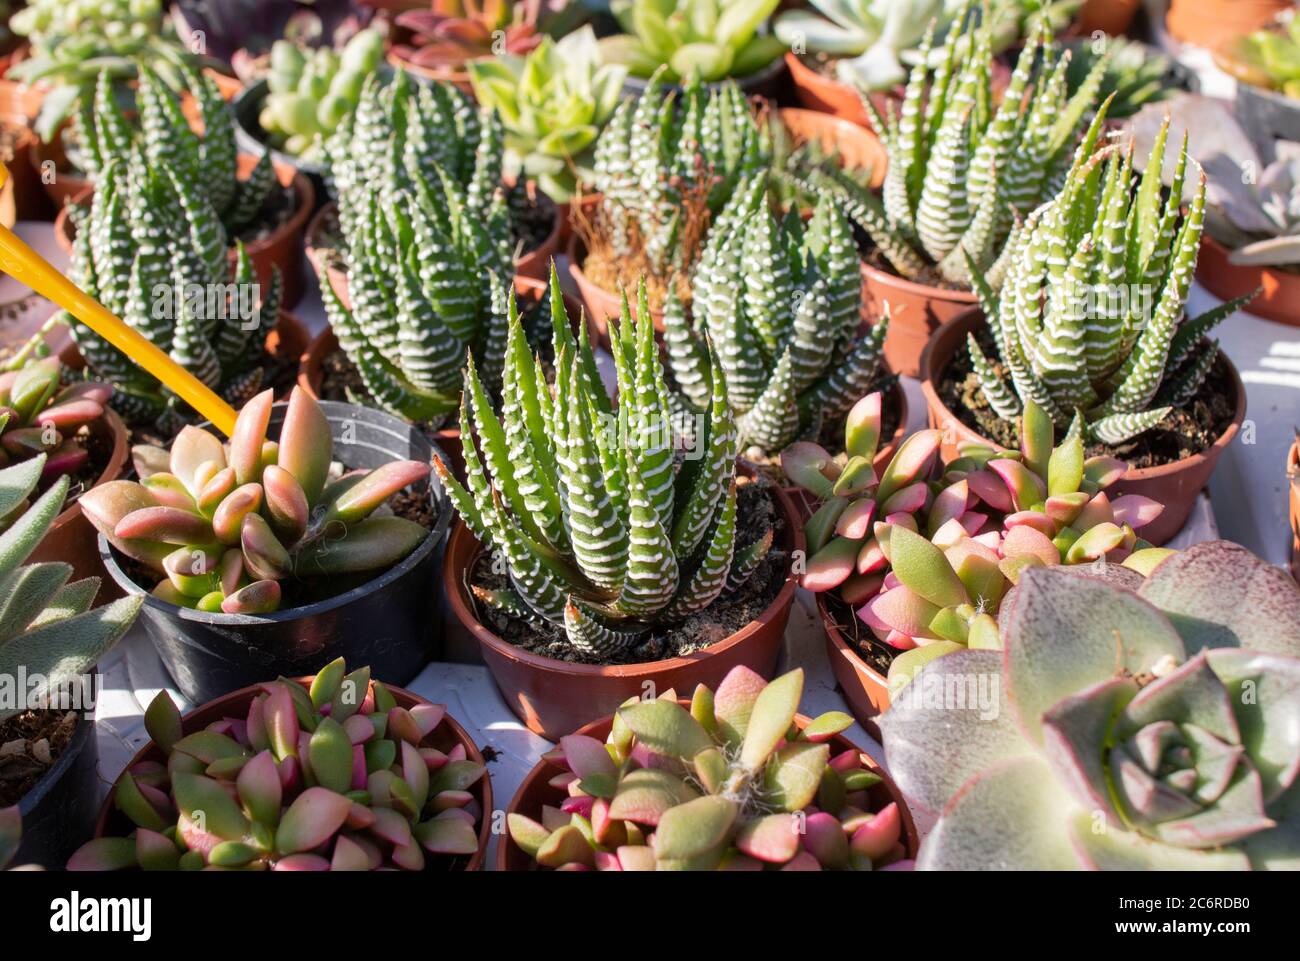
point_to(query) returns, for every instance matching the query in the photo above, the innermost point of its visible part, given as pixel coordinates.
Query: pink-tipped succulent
(335, 776)
(38, 416)
(1134, 724)
(226, 524)
(452, 32)
(926, 551)
(733, 784)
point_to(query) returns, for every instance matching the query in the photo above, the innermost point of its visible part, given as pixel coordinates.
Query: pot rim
(930, 360)
(602, 724)
(472, 752)
(444, 73)
(888, 279)
(746, 82)
(802, 73)
(247, 140)
(436, 535)
(454, 587)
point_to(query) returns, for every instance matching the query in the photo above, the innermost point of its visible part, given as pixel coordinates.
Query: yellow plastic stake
(21, 262)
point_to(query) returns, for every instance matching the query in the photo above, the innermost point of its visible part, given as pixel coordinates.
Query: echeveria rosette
(1142, 724)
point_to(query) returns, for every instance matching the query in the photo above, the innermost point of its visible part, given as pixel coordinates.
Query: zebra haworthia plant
(662, 153)
(429, 258)
(781, 303)
(733, 784)
(1137, 724)
(964, 166)
(333, 776)
(927, 550)
(205, 163)
(225, 524)
(605, 537)
(1091, 315)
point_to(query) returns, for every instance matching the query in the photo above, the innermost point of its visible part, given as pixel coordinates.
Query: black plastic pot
(387, 623)
(59, 812)
(764, 82)
(251, 138)
(1267, 115)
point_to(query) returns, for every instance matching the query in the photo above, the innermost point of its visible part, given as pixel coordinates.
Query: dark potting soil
(277, 210)
(30, 743)
(831, 436)
(531, 221)
(928, 277)
(1186, 431)
(857, 635)
(756, 512)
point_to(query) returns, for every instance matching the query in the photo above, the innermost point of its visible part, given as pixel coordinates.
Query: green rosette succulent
(554, 102)
(1127, 724)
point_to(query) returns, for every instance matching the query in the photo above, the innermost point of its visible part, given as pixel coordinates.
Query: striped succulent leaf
(781, 305)
(965, 164)
(1091, 315)
(606, 534)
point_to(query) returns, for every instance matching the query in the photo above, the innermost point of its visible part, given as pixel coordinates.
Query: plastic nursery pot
(856, 146)
(555, 697)
(765, 82)
(1266, 114)
(251, 138)
(820, 93)
(386, 622)
(22, 197)
(1175, 485)
(1109, 16)
(916, 312)
(534, 792)
(1279, 299)
(1293, 473)
(59, 811)
(112, 823)
(282, 247)
(71, 538)
(1211, 23)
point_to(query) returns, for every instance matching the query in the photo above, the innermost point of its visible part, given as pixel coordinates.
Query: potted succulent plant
(959, 182)
(336, 772)
(781, 302)
(659, 185)
(1251, 242)
(441, 42)
(1135, 74)
(262, 555)
(1171, 751)
(256, 202)
(78, 435)
(303, 98)
(412, 144)
(681, 571)
(713, 40)
(1107, 336)
(738, 782)
(50, 641)
(554, 102)
(912, 561)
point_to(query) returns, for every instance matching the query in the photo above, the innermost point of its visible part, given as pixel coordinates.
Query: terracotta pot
(856, 147)
(1174, 485)
(70, 538)
(534, 792)
(1211, 23)
(228, 86)
(830, 96)
(1280, 299)
(112, 823)
(1293, 475)
(62, 186)
(456, 76)
(1109, 16)
(864, 688)
(24, 184)
(282, 248)
(536, 263)
(554, 697)
(916, 312)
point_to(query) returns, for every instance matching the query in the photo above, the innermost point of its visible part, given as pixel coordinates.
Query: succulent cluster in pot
(608, 537)
(452, 33)
(1091, 316)
(666, 161)
(224, 526)
(965, 164)
(709, 39)
(429, 247)
(554, 102)
(927, 551)
(1175, 749)
(781, 302)
(48, 628)
(735, 783)
(39, 415)
(332, 776)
